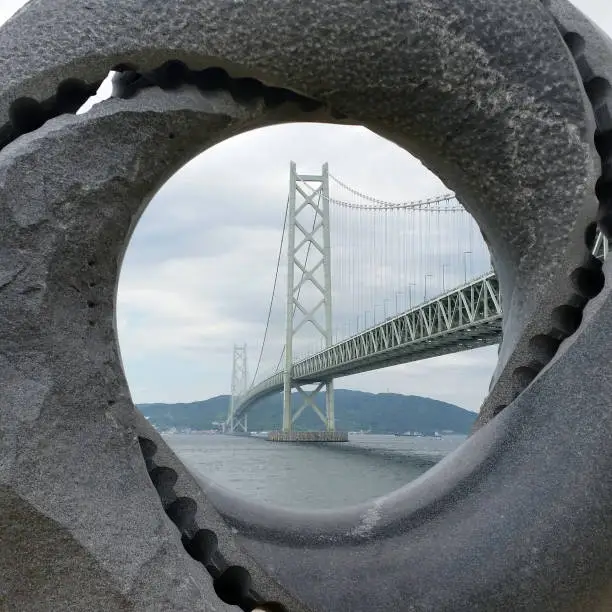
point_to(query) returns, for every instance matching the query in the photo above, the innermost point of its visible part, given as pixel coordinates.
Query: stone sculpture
(508, 101)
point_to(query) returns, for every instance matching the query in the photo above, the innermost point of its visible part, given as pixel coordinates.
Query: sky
(198, 274)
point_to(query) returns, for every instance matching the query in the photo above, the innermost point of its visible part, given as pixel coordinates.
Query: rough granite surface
(489, 95)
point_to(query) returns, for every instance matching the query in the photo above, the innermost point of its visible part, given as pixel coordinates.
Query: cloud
(199, 271)
(461, 379)
(9, 7)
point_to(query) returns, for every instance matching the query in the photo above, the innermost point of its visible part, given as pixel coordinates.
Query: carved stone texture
(501, 100)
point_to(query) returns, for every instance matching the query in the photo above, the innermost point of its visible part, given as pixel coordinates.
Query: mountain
(355, 410)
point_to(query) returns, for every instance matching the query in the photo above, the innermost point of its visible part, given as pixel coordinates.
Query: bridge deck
(467, 317)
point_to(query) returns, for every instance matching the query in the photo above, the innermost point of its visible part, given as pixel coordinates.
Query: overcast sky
(198, 273)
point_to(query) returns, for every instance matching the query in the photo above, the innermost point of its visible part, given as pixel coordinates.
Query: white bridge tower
(240, 384)
(309, 299)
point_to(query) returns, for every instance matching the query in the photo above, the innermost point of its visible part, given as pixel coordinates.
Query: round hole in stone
(198, 275)
(575, 42)
(182, 512)
(590, 235)
(163, 477)
(233, 585)
(203, 546)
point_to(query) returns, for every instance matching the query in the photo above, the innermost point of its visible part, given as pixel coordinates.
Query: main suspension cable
(377, 203)
(278, 260)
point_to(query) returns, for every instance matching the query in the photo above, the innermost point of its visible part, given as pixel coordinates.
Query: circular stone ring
(507, 101)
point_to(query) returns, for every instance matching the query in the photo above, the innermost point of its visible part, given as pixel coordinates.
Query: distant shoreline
(382, 414)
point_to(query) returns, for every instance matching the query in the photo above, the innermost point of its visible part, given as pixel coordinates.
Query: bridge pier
(308, 436)
(329, 434)
(238, 424)
(329, 406)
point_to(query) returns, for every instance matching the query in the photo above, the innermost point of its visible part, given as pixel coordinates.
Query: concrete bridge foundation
(308, 436)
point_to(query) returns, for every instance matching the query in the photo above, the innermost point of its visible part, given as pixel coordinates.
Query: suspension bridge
(407, 281)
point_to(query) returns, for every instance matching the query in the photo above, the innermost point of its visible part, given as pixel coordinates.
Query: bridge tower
(308, 259)
(239, 386)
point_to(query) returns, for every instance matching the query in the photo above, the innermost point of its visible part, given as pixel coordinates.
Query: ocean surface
(314, 476)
